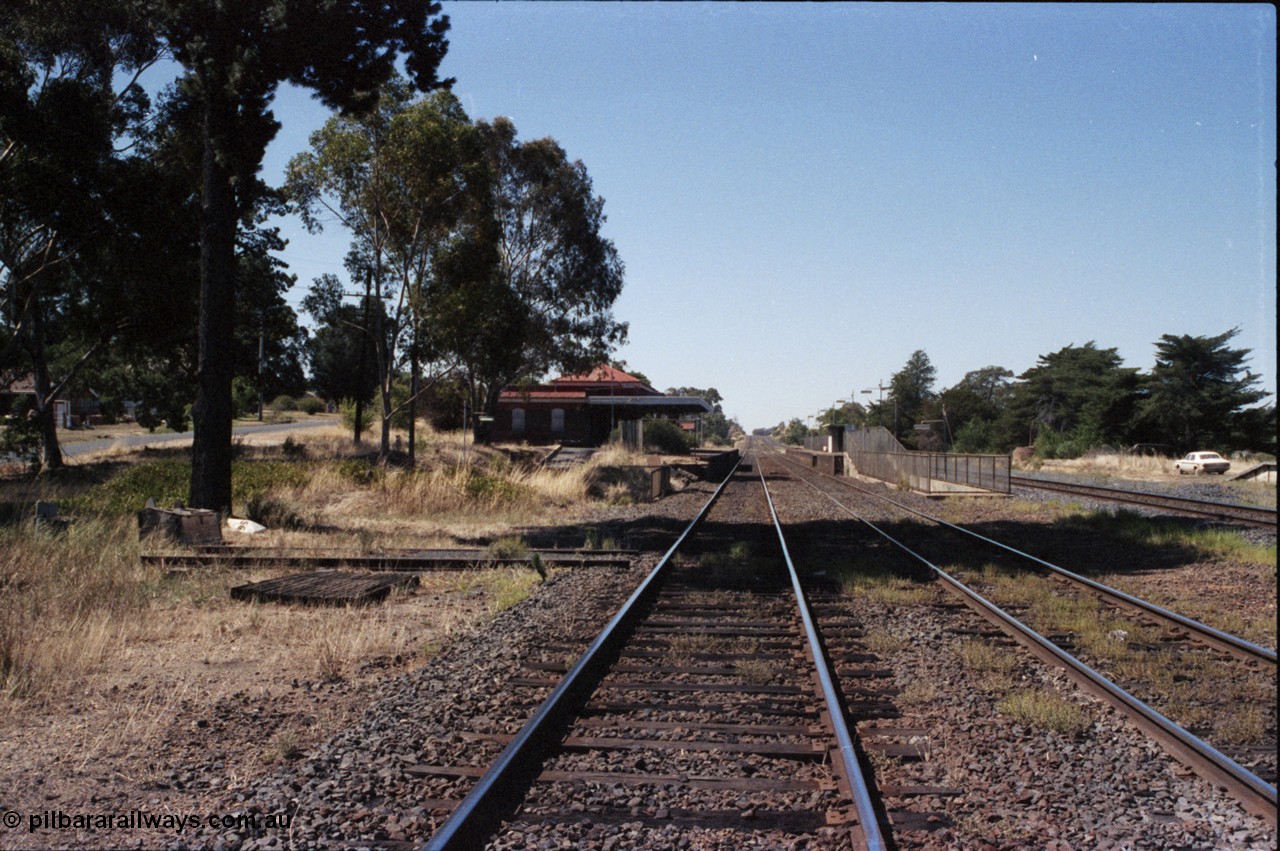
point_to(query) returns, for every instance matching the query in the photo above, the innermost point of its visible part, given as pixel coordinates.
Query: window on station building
(557, 420)
(517, 420)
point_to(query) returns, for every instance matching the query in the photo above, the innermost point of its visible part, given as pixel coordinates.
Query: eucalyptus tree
(973, 405)
(341, 350)
(236, 55)
(406, 180)
(554, 267)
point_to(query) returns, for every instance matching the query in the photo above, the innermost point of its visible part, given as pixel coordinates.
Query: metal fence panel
(928, 471)
(875, 452)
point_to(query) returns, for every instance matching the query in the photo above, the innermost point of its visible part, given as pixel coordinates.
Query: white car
(1202, 462)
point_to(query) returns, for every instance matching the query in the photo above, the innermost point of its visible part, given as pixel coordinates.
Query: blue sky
(805, 194)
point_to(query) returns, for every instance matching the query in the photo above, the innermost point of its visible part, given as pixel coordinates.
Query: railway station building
(583, 410)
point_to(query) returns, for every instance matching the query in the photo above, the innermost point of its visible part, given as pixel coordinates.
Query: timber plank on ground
(395, 560)
(324, 587)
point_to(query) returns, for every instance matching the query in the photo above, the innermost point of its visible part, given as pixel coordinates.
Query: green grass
(1162, 533)
(1045, 710)
(879, 575)
(169, 482)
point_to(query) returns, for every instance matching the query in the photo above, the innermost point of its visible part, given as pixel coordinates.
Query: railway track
(707, 728)
(1243, 649)
(1256, 793)
(1223, 512)
(710, 698)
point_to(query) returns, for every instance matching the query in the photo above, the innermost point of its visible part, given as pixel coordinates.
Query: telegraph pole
(364, 344)
(261, 336)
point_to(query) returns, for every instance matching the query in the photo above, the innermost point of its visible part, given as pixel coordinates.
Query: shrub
(359, 472)
(284, 403)
(483, 487)
(169, 482)
(348, 409)
(666, 437)
(272, 512)
(20, 437)
(976, 436)
(244, 397)
(311, 406)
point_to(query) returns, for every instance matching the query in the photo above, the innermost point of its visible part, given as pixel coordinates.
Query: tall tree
(62, 109)
(910, 388)
(1078, 394)
(973, 405)
(555, 269)
(236, 55)
(1198, 392)
(404, 179)
(341, 351)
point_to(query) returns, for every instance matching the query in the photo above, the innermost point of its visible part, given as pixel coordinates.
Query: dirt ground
(194, 704)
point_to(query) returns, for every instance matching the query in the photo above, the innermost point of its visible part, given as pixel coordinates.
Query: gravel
(1022, 786)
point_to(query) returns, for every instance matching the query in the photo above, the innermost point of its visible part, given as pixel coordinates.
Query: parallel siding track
(1224, 512)
(1255, 793)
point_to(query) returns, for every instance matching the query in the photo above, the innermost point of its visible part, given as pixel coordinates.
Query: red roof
(600, 381)
(605, 378)
(602, 374)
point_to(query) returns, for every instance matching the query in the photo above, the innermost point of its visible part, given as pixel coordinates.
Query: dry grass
(883, 643)
(755, 672)
(919, 692)
(685, 645)
(1046, 710)
(1151, 468)
(984, 657)
(76, 603)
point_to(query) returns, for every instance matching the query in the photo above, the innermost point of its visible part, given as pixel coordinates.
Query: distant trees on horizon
(1200, 394)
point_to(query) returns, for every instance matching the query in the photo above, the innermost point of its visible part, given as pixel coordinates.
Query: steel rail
(1255, 794)
(1225, 641)
(868, 820)
(1253, 515)
(476, 816)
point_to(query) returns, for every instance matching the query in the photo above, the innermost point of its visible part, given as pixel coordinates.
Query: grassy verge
(1165, 533)
(75, 603)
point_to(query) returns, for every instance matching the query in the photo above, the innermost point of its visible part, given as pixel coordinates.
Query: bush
(666, 437)
(284, 403)
(244, 397)
(359, 472)
(20, 437)
(1052, 444)
(976, 436)
(483, 487)
(399, 404)
(271, 511)
(348, 409)
(311, 406)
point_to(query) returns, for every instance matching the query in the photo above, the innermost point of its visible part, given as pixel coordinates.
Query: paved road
(81, 447)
